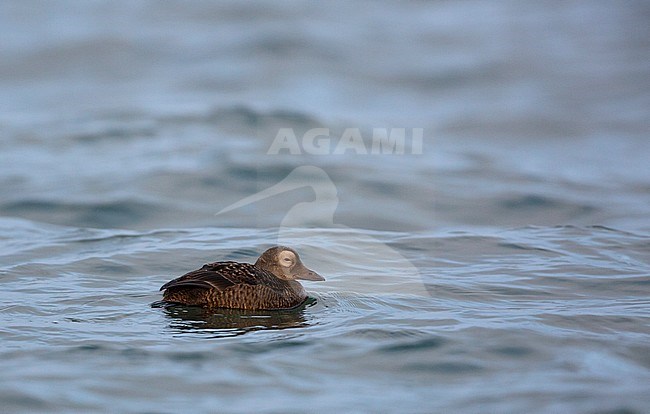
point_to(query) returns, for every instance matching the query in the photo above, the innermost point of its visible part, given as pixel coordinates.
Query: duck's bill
(306, 274)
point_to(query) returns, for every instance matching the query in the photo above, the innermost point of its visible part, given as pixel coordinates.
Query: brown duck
(268, 284)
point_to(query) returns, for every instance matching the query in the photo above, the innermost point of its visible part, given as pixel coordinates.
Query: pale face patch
(287, 259)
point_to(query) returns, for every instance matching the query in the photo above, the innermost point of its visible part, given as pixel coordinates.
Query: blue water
(504, 269)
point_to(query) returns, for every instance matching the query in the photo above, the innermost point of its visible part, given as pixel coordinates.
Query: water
(504, 269)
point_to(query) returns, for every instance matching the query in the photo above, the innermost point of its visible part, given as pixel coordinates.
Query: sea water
(504, 267)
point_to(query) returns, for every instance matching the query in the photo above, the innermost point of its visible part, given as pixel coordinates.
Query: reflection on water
(218, 323)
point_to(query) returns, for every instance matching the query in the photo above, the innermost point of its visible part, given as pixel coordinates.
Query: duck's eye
(287, 259)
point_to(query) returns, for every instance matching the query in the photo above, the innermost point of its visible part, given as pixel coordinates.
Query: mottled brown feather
(235, 285)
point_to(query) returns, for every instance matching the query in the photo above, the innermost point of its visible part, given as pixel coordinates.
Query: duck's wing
(219, 275)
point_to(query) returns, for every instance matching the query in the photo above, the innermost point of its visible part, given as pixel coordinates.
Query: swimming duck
(270, 283)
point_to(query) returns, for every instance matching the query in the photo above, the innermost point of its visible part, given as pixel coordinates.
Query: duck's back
(233, 285)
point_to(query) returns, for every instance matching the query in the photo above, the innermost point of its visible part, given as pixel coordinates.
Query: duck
(270, 283)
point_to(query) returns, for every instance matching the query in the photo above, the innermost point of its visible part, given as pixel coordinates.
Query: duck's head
(285, 263)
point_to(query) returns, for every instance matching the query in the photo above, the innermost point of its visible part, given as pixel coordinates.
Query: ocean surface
(498, 264)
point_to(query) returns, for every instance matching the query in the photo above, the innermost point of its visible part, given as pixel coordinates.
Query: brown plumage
(268, 284)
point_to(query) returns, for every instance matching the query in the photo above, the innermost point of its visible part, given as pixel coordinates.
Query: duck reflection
(232, 322)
